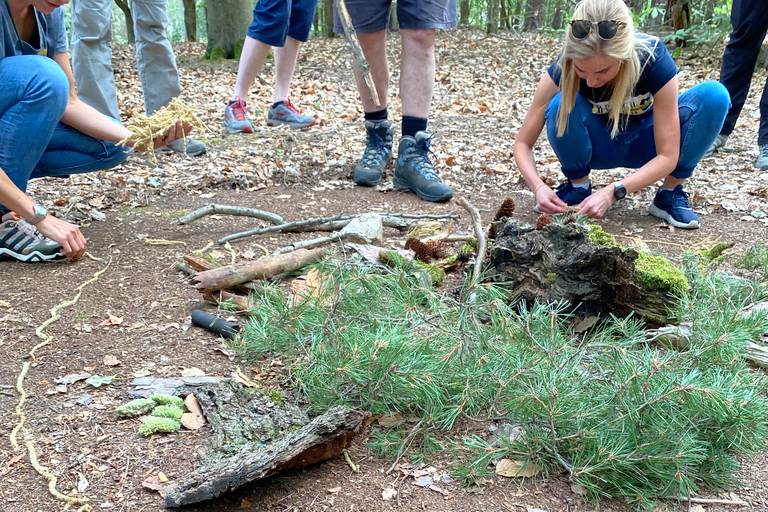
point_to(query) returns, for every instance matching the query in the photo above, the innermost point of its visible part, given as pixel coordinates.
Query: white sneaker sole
(661, 214)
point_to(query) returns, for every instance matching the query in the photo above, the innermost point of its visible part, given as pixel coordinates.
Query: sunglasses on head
(606, 29)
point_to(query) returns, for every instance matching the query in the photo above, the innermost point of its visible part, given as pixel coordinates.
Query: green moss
(552, 277)
(239, 48)
(168, 400)
(135, 408)
(435, 273)
(600, 237)
(154, 424)
(276, 396)
(217, 53)
(657, 272)
(715, 252)
(168, 411)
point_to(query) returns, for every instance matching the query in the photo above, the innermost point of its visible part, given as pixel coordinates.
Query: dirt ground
(133, 320)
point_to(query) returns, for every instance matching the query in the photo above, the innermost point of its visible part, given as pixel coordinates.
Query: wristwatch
(619, 192)
(40, 213)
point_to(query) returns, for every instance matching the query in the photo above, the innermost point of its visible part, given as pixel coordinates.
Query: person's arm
(65, 234)
(84, 118)
(533, 124)
(666, 135)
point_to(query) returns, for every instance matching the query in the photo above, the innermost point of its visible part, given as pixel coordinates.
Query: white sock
(581, 185)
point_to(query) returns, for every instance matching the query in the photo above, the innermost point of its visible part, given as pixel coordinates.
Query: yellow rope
(46, 339)
(161, 241)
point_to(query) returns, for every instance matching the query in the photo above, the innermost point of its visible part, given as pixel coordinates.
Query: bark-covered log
(559, 262)
(231, 275)
(323, 438)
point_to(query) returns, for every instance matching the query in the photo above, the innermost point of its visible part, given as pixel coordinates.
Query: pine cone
(419, 248)
(543, 220)
(507, 209)
(439, 249)
(569, 220)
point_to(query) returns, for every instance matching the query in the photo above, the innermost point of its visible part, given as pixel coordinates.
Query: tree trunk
(190, 20)
(534, 14)
(518, 11)
(328, 18)
(123, 5)
(228, 21)
(492, 25)
(464, 13)
(557, 20)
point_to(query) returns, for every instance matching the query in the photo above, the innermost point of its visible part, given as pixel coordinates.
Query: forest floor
(133, 320)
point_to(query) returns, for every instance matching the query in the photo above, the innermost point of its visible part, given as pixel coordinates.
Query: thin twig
(718, 501)
(357, 51)
(405, 445)
(481, 241)
(347, 458)
(224, 209)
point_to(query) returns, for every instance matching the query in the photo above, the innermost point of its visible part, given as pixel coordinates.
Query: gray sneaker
(236, 117)
(416, 172)
(188, 147)
(762, 160)
(20, 240)
(286, 113)
(717, 145)
(377, 154)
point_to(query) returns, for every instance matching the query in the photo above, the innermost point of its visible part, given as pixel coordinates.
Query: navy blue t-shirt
(658, 68)
(52, 34)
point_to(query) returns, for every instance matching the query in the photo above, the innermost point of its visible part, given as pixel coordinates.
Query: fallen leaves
(193, 419)
(512, 468)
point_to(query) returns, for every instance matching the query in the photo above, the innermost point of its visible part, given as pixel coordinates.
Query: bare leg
(417, 71)
(251, 61)
(285, 64)
(671, 182)
(375, 50)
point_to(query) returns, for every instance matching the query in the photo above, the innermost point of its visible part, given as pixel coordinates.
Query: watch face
(619, 192)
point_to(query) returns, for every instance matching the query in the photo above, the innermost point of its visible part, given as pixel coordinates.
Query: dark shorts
(274, 20)
(369, 16)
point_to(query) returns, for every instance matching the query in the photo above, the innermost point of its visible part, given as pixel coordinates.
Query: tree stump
(559, 262)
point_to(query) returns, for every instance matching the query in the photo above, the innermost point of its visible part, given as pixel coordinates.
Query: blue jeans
(587, 142)
(33, 143)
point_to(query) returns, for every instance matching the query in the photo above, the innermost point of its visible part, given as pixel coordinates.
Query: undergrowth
(625, 418)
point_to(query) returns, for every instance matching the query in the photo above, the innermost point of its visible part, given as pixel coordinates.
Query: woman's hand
(596, 205)
(65, 234)
(547, 201)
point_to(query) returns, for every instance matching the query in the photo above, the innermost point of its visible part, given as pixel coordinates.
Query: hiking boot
(673, 207)
(762, 160)
(717, 145)
(414, 170)
(22, 241)
(286, 113)
(571, 195)
(185, 147)
(236, 117)
(377, 154)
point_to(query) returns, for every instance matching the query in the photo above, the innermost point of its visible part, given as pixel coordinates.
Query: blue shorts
(274, 20)
(369, 16)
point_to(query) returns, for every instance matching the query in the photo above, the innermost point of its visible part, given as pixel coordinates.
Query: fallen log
(323, 438)
(144, 387)
(232, 275)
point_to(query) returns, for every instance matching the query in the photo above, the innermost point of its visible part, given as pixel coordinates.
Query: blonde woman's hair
(622, 47)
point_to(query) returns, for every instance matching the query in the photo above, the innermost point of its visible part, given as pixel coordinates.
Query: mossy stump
(562, 263)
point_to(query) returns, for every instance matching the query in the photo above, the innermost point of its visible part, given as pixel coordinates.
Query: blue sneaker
(236, 117)
(673, 207)
(571, 195)
(416, 172)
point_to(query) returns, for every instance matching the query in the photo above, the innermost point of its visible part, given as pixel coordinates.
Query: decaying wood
(198, 263)
(481, 243)
(231, 275)
(323, 438)
(395, 220)
(183, 267)
(222, 209)
(559, 262)
(237, 302)
(144, 387)
(357, 51)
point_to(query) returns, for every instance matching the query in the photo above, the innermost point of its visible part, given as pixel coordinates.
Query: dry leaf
(390, 420)
(161, 477)
(111, 320)
(192, 404)
(10, 463)
(245, 503)
(334, 490)
(111, 360)
(388, 494)
(192, 372)
(578, 489)
(5, 304)
(192, 420)
(516, 468)
(154, 483)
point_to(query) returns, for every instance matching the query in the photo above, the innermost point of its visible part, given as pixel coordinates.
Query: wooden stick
(223, 209)
(718, 501)
(307, 244)
(354, 43)
(388, 219)
(231, 275)
(198, 263)
(481, 242)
